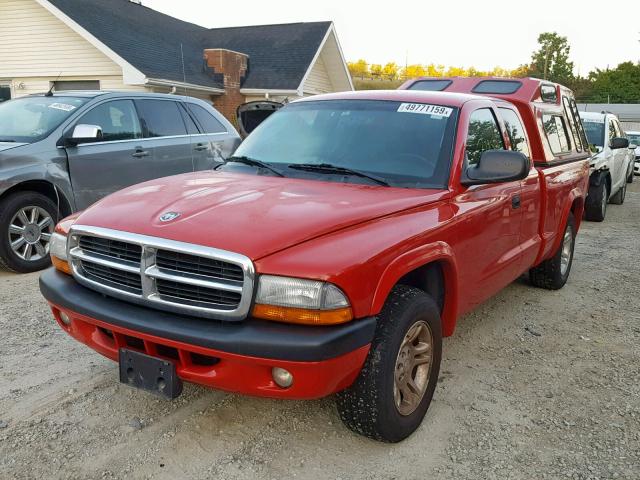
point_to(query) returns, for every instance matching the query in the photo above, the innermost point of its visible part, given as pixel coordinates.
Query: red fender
(437, 251)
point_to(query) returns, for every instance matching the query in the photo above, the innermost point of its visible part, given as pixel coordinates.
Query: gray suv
(61, 152)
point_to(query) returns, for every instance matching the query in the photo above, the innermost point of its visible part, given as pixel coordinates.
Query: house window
(5, 92)
(65, 85)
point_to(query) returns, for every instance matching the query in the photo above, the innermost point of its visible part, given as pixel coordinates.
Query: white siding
(318, 80)
(35, 47)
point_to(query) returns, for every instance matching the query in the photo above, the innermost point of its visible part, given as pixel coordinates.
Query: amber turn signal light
(302, 315)
(61, 265)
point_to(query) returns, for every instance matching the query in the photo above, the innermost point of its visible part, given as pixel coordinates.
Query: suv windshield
(382, 142)
(30, 119)
(634, 139)
(594, 128)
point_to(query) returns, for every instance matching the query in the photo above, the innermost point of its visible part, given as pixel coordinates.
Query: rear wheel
(27, 220)
(391, 395)
(553, 273)
(596, 205)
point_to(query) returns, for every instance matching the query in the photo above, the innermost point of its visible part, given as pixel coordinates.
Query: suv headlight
(296, 300)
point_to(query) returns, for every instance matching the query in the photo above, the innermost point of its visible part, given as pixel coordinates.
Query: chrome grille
(163, 274)
(184, 263)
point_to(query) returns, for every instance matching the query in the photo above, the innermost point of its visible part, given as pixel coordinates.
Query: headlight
(296, 300)
(58, 245)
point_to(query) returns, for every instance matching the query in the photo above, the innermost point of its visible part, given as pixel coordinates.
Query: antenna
(53, 84)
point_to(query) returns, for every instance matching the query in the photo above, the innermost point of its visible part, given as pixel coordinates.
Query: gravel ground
(534, 384)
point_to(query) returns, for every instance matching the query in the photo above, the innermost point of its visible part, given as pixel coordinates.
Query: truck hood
(9, 145)
(248, 214)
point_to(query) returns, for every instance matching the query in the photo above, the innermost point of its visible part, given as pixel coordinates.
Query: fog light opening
(64, 318)
(282, 377)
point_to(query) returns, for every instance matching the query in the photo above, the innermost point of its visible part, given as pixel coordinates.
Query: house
(123, 45)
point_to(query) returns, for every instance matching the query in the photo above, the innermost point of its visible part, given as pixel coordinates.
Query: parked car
(611, 163)
(634, 141)
(332, 252)
(61, 152)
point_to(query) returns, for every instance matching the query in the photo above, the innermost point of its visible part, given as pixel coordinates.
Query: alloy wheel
(30, 232)
(413, 368)
(567, 251)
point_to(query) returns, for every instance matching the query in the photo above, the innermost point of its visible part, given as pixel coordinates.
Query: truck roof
(417, 96)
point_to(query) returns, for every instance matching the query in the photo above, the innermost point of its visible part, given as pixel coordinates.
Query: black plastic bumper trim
(252, 337)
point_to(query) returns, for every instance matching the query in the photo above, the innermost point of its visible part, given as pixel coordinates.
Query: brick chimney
(233, 66)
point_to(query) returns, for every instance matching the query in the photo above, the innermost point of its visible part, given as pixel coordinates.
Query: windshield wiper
(254, 163)
(329, 168)
(7, 140)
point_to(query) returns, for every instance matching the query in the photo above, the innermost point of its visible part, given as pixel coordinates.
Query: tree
(375, 69)
(359, 68)
(551, 60)
(390, 70)
(619, 85)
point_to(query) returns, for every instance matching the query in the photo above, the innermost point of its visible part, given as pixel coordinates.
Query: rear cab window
(515, 131)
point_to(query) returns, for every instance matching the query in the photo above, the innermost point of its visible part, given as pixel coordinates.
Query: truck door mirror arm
(497, 166)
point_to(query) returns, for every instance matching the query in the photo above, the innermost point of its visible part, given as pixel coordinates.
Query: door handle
(201, 146)
(140, 153)
(515, 201)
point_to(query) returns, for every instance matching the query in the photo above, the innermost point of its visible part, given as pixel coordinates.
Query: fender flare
(418, 257)
(573, 195)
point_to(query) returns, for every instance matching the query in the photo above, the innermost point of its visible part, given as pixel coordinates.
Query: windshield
(403, 144)
(634, 138)
(30, 119)
(594, 129)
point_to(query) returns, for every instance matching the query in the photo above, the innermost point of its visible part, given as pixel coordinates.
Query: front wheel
(27, 220)
(391, 395)
(596, 205)
(553, 273)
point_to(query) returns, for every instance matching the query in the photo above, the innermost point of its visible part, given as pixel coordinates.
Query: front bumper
(236, 357)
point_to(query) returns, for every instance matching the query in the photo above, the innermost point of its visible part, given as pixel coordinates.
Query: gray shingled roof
(279, 55)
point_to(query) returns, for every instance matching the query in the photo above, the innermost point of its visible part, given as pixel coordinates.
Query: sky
(481, 33)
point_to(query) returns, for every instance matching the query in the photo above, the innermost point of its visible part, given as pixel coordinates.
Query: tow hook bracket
(152, 374)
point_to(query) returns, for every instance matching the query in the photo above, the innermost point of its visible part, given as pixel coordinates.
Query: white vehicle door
(620, 156)
(613, 157)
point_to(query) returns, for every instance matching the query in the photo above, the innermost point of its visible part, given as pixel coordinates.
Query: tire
(553, 273)
(35, 238)
(368, 407)
(596, 205)
(621, 194)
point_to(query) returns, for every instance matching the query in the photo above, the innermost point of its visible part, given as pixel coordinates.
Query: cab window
(515, 130)
(118, 120)
(572, 124)
(556, 131)
(484, 134)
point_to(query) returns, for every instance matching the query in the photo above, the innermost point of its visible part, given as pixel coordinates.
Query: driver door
(121, 158)
(490, 251)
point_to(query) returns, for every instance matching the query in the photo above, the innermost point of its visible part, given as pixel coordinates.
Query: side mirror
(84, 134)
(619, 142)
(497, 166)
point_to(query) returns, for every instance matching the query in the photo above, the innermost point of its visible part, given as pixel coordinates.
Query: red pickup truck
(333, 252)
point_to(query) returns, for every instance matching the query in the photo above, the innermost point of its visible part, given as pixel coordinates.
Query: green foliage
(619, 85)
(551, 60)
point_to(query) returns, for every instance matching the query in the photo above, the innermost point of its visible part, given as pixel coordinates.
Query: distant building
(627, 113)
(122, 45)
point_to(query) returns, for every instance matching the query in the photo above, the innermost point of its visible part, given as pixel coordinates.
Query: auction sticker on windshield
(62, 106)
(425, 109)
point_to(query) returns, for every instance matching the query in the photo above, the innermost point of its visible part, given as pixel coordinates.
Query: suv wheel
(553, 273)
(391, 395)
(596, 205)
(27, 221)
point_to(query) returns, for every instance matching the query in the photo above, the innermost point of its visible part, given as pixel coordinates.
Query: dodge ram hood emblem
(168, 216)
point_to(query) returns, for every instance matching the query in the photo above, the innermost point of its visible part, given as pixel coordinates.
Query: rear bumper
(234, 357)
